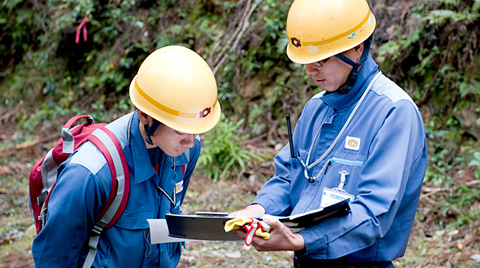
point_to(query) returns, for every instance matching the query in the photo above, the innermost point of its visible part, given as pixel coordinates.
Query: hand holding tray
(210, 225)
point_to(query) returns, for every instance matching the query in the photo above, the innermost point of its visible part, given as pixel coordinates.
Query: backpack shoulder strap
(111, 148)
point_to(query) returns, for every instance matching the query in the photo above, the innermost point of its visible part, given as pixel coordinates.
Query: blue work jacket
(384, 152)
(82, 189)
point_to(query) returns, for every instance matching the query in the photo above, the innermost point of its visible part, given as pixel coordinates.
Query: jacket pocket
(134, 220)
(128, 240)
(350, 167)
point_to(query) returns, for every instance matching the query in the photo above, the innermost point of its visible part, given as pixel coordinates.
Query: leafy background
(429, 47)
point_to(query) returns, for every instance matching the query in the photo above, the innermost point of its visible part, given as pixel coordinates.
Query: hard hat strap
(151, 130)
(352, 78)
(346, 60)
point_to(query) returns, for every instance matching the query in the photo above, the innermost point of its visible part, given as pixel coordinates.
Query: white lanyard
(310, 166)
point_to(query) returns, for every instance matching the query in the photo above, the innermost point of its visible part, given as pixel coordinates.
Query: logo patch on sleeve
(352, 143)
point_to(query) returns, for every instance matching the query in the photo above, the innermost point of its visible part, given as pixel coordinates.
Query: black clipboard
(210, 225)
(301, 221)
(201, 226)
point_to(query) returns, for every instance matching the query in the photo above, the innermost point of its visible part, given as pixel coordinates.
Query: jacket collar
(340, 100)
(142, 167)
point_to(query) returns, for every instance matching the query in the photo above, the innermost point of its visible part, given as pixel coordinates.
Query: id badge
(333, 196)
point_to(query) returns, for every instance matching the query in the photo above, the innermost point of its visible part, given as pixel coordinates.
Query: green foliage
(455, 197)
(433, 55)
(452, 12)
(263, 59)
(475, 162)
(448, 163)
(121, 34)
(436, 60)
(70, 72)
(222, 154)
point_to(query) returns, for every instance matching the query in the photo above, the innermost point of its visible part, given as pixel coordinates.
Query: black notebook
(210, 225)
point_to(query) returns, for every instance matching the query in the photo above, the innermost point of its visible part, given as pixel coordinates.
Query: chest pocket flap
(134, 220)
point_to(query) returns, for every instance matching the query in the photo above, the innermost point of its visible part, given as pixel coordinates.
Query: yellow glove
(251, 226)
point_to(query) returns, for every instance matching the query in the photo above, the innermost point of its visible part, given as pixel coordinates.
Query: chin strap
(352, 78)
(151, 130)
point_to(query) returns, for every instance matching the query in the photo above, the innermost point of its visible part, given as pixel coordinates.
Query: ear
(359, 50)
(143, 117)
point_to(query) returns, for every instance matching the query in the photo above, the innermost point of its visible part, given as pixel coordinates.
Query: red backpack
(43, 175)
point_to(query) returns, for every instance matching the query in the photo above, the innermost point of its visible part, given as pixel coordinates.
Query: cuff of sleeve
(315, 243)
(266, 204)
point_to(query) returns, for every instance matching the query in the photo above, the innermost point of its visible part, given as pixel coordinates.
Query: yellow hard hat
(318, 29)
(175, 86)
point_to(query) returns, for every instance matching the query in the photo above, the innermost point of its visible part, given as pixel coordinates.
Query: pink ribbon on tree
(80, 26)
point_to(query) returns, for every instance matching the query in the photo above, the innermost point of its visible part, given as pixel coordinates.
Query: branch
(234, 35)
(240, 30)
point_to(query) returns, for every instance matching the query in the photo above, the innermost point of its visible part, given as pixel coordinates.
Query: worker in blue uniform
(361, 139)
(175, 94)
